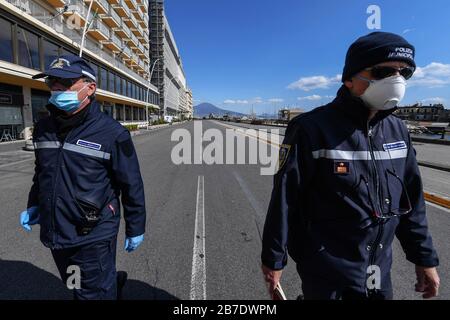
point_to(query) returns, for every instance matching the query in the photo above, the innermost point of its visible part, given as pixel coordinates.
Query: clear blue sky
(239, 53)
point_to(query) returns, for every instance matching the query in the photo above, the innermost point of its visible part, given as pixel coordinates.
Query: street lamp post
(165, 94)
(148, 88)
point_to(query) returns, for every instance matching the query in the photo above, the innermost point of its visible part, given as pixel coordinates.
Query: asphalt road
(232, 205)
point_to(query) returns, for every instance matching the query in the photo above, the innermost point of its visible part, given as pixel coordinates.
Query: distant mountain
(205, 109)
(267, 116)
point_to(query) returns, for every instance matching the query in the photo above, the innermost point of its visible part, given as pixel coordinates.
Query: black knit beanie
(375, 48)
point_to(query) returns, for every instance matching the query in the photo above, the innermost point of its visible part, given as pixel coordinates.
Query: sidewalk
(13, 152)
(433, 155)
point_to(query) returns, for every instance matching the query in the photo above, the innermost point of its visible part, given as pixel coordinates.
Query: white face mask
(384, 94)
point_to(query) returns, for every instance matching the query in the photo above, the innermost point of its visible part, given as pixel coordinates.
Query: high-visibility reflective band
(86, 151)
(359, 155)
(47, 145)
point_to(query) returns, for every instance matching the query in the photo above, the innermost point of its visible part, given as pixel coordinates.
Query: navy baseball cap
(68, 66)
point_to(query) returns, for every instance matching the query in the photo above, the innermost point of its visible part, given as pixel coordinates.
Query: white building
(35, 32)
(169, 76)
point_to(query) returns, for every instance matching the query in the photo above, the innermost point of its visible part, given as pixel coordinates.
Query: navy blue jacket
(93, 166)
(338, 174)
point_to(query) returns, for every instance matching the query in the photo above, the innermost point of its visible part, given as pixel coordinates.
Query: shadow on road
(21, 280)
(24, 281)
(138, 290)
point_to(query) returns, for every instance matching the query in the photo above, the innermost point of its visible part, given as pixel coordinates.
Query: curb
(443, 202)
(436, 166)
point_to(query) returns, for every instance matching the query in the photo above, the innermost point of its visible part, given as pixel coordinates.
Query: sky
(265, 54)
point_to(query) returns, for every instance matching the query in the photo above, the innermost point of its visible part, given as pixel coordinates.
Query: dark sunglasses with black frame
(65, 82)
(381, 72)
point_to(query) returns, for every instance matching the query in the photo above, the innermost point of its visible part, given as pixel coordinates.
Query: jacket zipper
(376, 243)
(54, 187)
(377, 177)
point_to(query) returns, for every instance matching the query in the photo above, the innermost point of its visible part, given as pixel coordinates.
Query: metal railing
(61, 26)
(139, 13)
(99, 25)
(127, 30)
(23, 5)
(113, 14)
(141, 47)
(133, 2)
(104, 3)
(134, 39)
(114, 38)
(77, 6)
(125, 7)
(126, 50)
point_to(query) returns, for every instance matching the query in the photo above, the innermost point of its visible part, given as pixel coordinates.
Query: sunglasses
(381, 72)
(66, 83)
(404, 206)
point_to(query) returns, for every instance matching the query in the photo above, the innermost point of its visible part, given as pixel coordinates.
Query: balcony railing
(95, 47)
(144, 6)
(56, 3)
(131, 4)
(133, 41)
(127, 31)
(99, 6)
(99, 30)
(111, 18)
(113, 43)
(126, 53)
(122, 9)
(138, 14)
(23, 5)
(76, 14)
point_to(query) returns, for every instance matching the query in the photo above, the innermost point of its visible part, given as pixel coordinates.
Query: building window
(127, 113)
(51, 52)
(28, 47)
(129, 89)
(118, 84)
(111, 81)
(6, 52)
(119, 112)
(135, 113)
(124, 87)
(103, 79)
(108, 109)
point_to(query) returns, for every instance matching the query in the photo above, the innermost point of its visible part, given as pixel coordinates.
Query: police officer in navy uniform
(348, 183)
(85, 162)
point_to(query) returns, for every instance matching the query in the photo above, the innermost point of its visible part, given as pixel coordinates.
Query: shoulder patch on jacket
(283, 155)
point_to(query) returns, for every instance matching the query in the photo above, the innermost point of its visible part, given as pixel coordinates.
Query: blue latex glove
(131, 243)
(29, 217)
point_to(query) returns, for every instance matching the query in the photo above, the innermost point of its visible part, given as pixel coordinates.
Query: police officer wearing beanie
(85, 162)
(348, 183)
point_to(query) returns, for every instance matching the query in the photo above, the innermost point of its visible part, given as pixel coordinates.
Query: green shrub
(131, 127)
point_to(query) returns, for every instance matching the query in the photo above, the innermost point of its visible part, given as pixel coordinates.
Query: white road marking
(198, 279)
(15, 162)
(437, 206)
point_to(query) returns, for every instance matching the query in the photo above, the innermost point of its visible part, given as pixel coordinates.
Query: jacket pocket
(90, 213)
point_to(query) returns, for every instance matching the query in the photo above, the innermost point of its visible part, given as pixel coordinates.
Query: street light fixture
(148, 88)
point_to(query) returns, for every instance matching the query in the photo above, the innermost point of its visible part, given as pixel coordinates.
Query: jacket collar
(355, 108)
